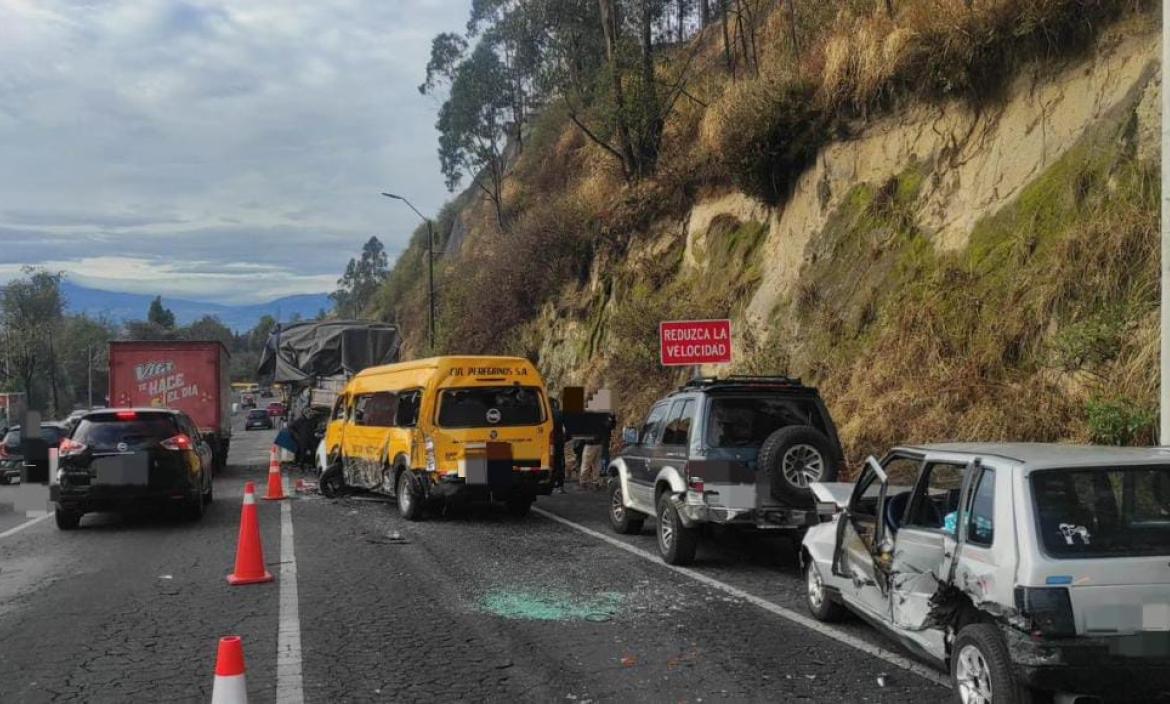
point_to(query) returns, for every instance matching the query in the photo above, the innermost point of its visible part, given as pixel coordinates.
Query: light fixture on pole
(430, 266)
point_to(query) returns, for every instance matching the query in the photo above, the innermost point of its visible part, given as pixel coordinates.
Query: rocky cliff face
(949, 270)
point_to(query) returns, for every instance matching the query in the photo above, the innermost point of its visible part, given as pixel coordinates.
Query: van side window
(377, 409)
(408, 407)
(678, 424)
(339, 407)
(359, 409)
(981, 526)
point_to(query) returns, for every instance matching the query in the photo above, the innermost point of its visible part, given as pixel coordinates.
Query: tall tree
(160, 315)
(362, 278)
(32, 308)
(472, 126)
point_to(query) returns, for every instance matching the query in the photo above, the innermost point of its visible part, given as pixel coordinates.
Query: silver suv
(1020, 568)
(739, 451)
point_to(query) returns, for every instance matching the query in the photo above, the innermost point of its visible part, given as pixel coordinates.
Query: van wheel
(518, 506)
(623, 520)
(676, 542)
(67, 520)
(410, 500)
(331, 483)
(981, 668)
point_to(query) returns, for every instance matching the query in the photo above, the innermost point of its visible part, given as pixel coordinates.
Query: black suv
(118, 458)
(738, 451)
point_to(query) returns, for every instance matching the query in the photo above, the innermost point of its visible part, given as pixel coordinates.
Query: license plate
(122, 470)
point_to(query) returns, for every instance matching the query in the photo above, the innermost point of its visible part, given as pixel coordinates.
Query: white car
(1019, 568)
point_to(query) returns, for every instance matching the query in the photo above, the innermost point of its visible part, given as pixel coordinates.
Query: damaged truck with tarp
(1030, 572)
(312, 362)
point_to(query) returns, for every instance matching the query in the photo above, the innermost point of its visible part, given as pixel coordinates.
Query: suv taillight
(1048, 609)
(3, 450)
(70, 447)
(694, 483)
(177, 442)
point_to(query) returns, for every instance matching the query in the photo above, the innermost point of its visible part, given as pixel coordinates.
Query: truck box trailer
(192, 377)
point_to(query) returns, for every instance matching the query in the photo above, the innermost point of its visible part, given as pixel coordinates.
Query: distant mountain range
(120, 307)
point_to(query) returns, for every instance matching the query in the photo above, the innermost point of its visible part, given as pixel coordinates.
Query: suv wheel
(410, 503)
(67, 520)
(676, 542)
(819, 604)
(623, 520)
(981, 668)
(794, 457)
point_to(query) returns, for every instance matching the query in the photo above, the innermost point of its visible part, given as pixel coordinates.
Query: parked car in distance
(739, 451)
(258, 418)
(1017, 567)
(120, 458)
(11, 454)
(247, 401)
(276, 409)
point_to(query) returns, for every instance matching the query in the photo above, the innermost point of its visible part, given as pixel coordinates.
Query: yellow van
(443, 429)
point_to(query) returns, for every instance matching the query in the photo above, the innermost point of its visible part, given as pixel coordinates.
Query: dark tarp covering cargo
(302, 352)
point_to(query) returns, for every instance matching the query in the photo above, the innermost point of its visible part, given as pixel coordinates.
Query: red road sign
(688, 342)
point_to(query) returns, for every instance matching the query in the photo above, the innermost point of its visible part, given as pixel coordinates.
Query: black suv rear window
(107, 430)
(746, 421)
(490, 406)
(1103, 512)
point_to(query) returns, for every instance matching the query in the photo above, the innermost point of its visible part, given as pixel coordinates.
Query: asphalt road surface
(474, 606)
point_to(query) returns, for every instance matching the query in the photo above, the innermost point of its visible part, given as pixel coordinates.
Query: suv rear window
(105, 431)
(257, 413)
(1103, 512)
(746, 421)
(470, 408)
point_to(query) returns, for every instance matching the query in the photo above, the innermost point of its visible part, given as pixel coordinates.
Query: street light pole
(430, 266)
(1164, 380)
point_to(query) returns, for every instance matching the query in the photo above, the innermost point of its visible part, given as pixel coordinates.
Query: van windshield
(490, 406)
(1103, 512)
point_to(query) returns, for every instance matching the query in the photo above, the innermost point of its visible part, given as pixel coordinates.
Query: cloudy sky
(221, 150)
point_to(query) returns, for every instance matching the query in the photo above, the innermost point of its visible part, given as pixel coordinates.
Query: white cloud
(236, 132)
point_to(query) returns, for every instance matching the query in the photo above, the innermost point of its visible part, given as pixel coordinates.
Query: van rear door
(515, 414)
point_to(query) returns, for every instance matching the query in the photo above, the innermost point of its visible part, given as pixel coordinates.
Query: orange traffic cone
(229, 686)
(250, 567)
(275, 484)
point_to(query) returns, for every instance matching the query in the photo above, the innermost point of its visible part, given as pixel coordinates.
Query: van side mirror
(630, 435)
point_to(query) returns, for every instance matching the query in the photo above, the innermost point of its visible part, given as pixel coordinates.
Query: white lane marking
(800, 619)
(16, 529)
(289, 680)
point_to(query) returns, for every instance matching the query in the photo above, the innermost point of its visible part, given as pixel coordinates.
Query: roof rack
(742, 381)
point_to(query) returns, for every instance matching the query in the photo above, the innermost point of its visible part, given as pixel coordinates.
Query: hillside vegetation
(943, 214)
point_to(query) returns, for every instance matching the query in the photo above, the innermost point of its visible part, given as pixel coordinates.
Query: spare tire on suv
(795, 456)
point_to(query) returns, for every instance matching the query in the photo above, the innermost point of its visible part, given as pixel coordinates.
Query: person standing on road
(558, 446)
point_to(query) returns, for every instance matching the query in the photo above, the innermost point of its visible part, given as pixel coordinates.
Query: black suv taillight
(1049, 609)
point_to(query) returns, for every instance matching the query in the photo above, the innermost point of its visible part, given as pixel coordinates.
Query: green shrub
(1120, 422)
